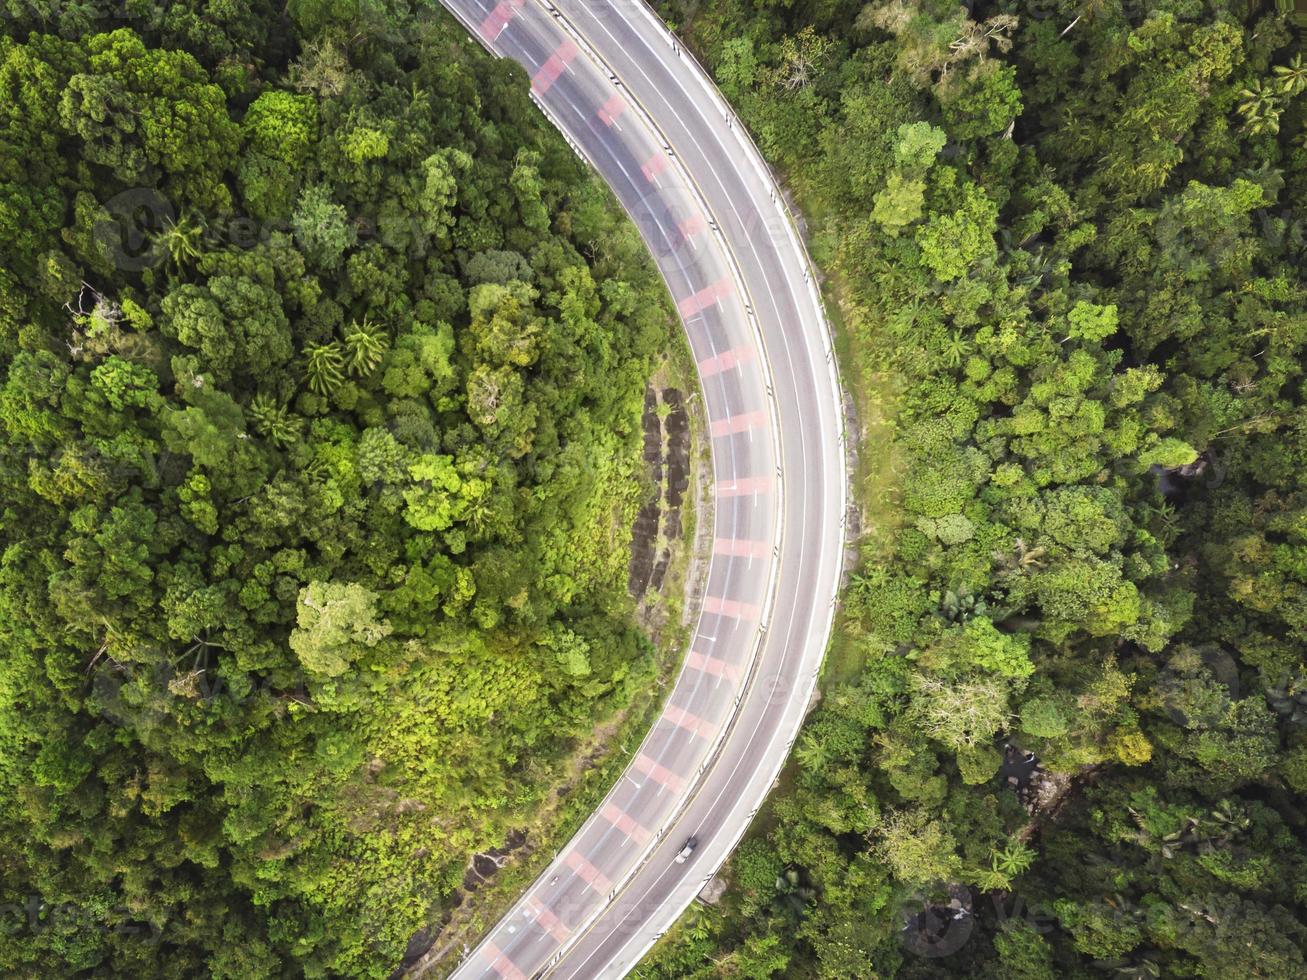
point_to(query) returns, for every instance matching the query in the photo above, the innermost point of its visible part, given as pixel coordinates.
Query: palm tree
(992, 880)
(960, 606)
(1292, 78)
(365, 345)
(1014, 859)
(955, 350)
(478, 514)
(812, 753)
(1261, 108)
(324, 364)
(182, 240)
(274, 422)
(1228, 822)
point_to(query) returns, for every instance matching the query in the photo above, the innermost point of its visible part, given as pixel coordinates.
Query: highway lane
(652, 126)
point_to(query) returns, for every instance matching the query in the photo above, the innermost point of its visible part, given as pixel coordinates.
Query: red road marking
(729, 607)
(691, 723)
(704, 298)
(738, 548)
(738, 423)
(713, 665)
(548, 921)
(553, 67)
(625, 823)
(692, 226)
(610, 110)
(655, 165)
(661, 773)
(588, 873)
(498, 18)
(500, 963)
(725, 361)
(743, 486)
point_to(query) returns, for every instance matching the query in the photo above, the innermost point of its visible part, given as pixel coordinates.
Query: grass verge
(599, 760)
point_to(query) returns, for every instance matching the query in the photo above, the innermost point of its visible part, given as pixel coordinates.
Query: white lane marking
(710, 343)
(735, 467)
(789, 363)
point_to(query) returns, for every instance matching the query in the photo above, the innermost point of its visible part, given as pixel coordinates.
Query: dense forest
(1064, 729)
(322, 361)
(321, 370)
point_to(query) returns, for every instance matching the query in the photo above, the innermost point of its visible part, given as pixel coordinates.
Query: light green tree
(365, 346)
(918, 849)
(322, 227)
(336, 622)
(953, 243)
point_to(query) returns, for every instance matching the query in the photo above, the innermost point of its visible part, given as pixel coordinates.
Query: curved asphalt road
(644, 115)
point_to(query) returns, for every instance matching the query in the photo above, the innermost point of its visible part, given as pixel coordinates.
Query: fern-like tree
(1291, 79)
(181, 240)
(365, 346)
(274, 421)
(324, 367)
(1260, 107)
